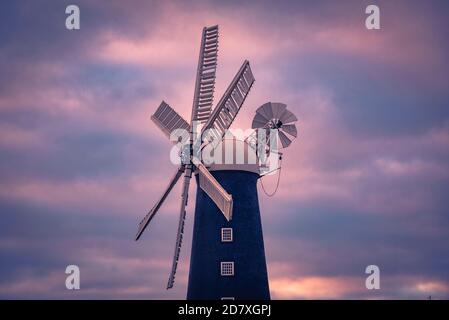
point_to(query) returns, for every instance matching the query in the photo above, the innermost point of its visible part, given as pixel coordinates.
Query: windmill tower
(227, 258)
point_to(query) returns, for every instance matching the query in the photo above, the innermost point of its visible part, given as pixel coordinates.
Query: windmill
(226, 201)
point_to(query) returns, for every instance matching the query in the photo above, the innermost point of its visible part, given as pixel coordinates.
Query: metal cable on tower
(277, 182)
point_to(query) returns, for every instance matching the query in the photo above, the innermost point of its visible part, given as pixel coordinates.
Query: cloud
(81, 162)
(352, 288)
(313, 288)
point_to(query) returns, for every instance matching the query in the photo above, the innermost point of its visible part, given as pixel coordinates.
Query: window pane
(226, 235)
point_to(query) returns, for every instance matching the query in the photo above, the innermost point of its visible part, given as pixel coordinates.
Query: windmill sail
(288, 117)
(182, 218)
(205, 79)
(145, 221)
(285, 141)
(259, 121)
(201, 109)
(290, 129)
(169, 120)
(224, 114)
(215, 191)
(266, 111)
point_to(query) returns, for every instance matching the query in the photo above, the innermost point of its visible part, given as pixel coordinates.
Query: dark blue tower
(228, 258)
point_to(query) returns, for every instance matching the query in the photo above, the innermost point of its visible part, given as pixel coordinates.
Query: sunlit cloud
(313, 287)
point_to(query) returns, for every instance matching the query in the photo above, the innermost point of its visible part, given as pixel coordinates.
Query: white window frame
(223, 265)
(223, 239)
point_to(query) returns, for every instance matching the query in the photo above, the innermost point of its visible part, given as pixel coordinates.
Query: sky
(81, 162)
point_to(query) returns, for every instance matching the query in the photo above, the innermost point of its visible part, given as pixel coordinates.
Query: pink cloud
(106, 275)
(12, 137)
(436, 287)
(294, 35)
(315, 287)
(113, 194)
